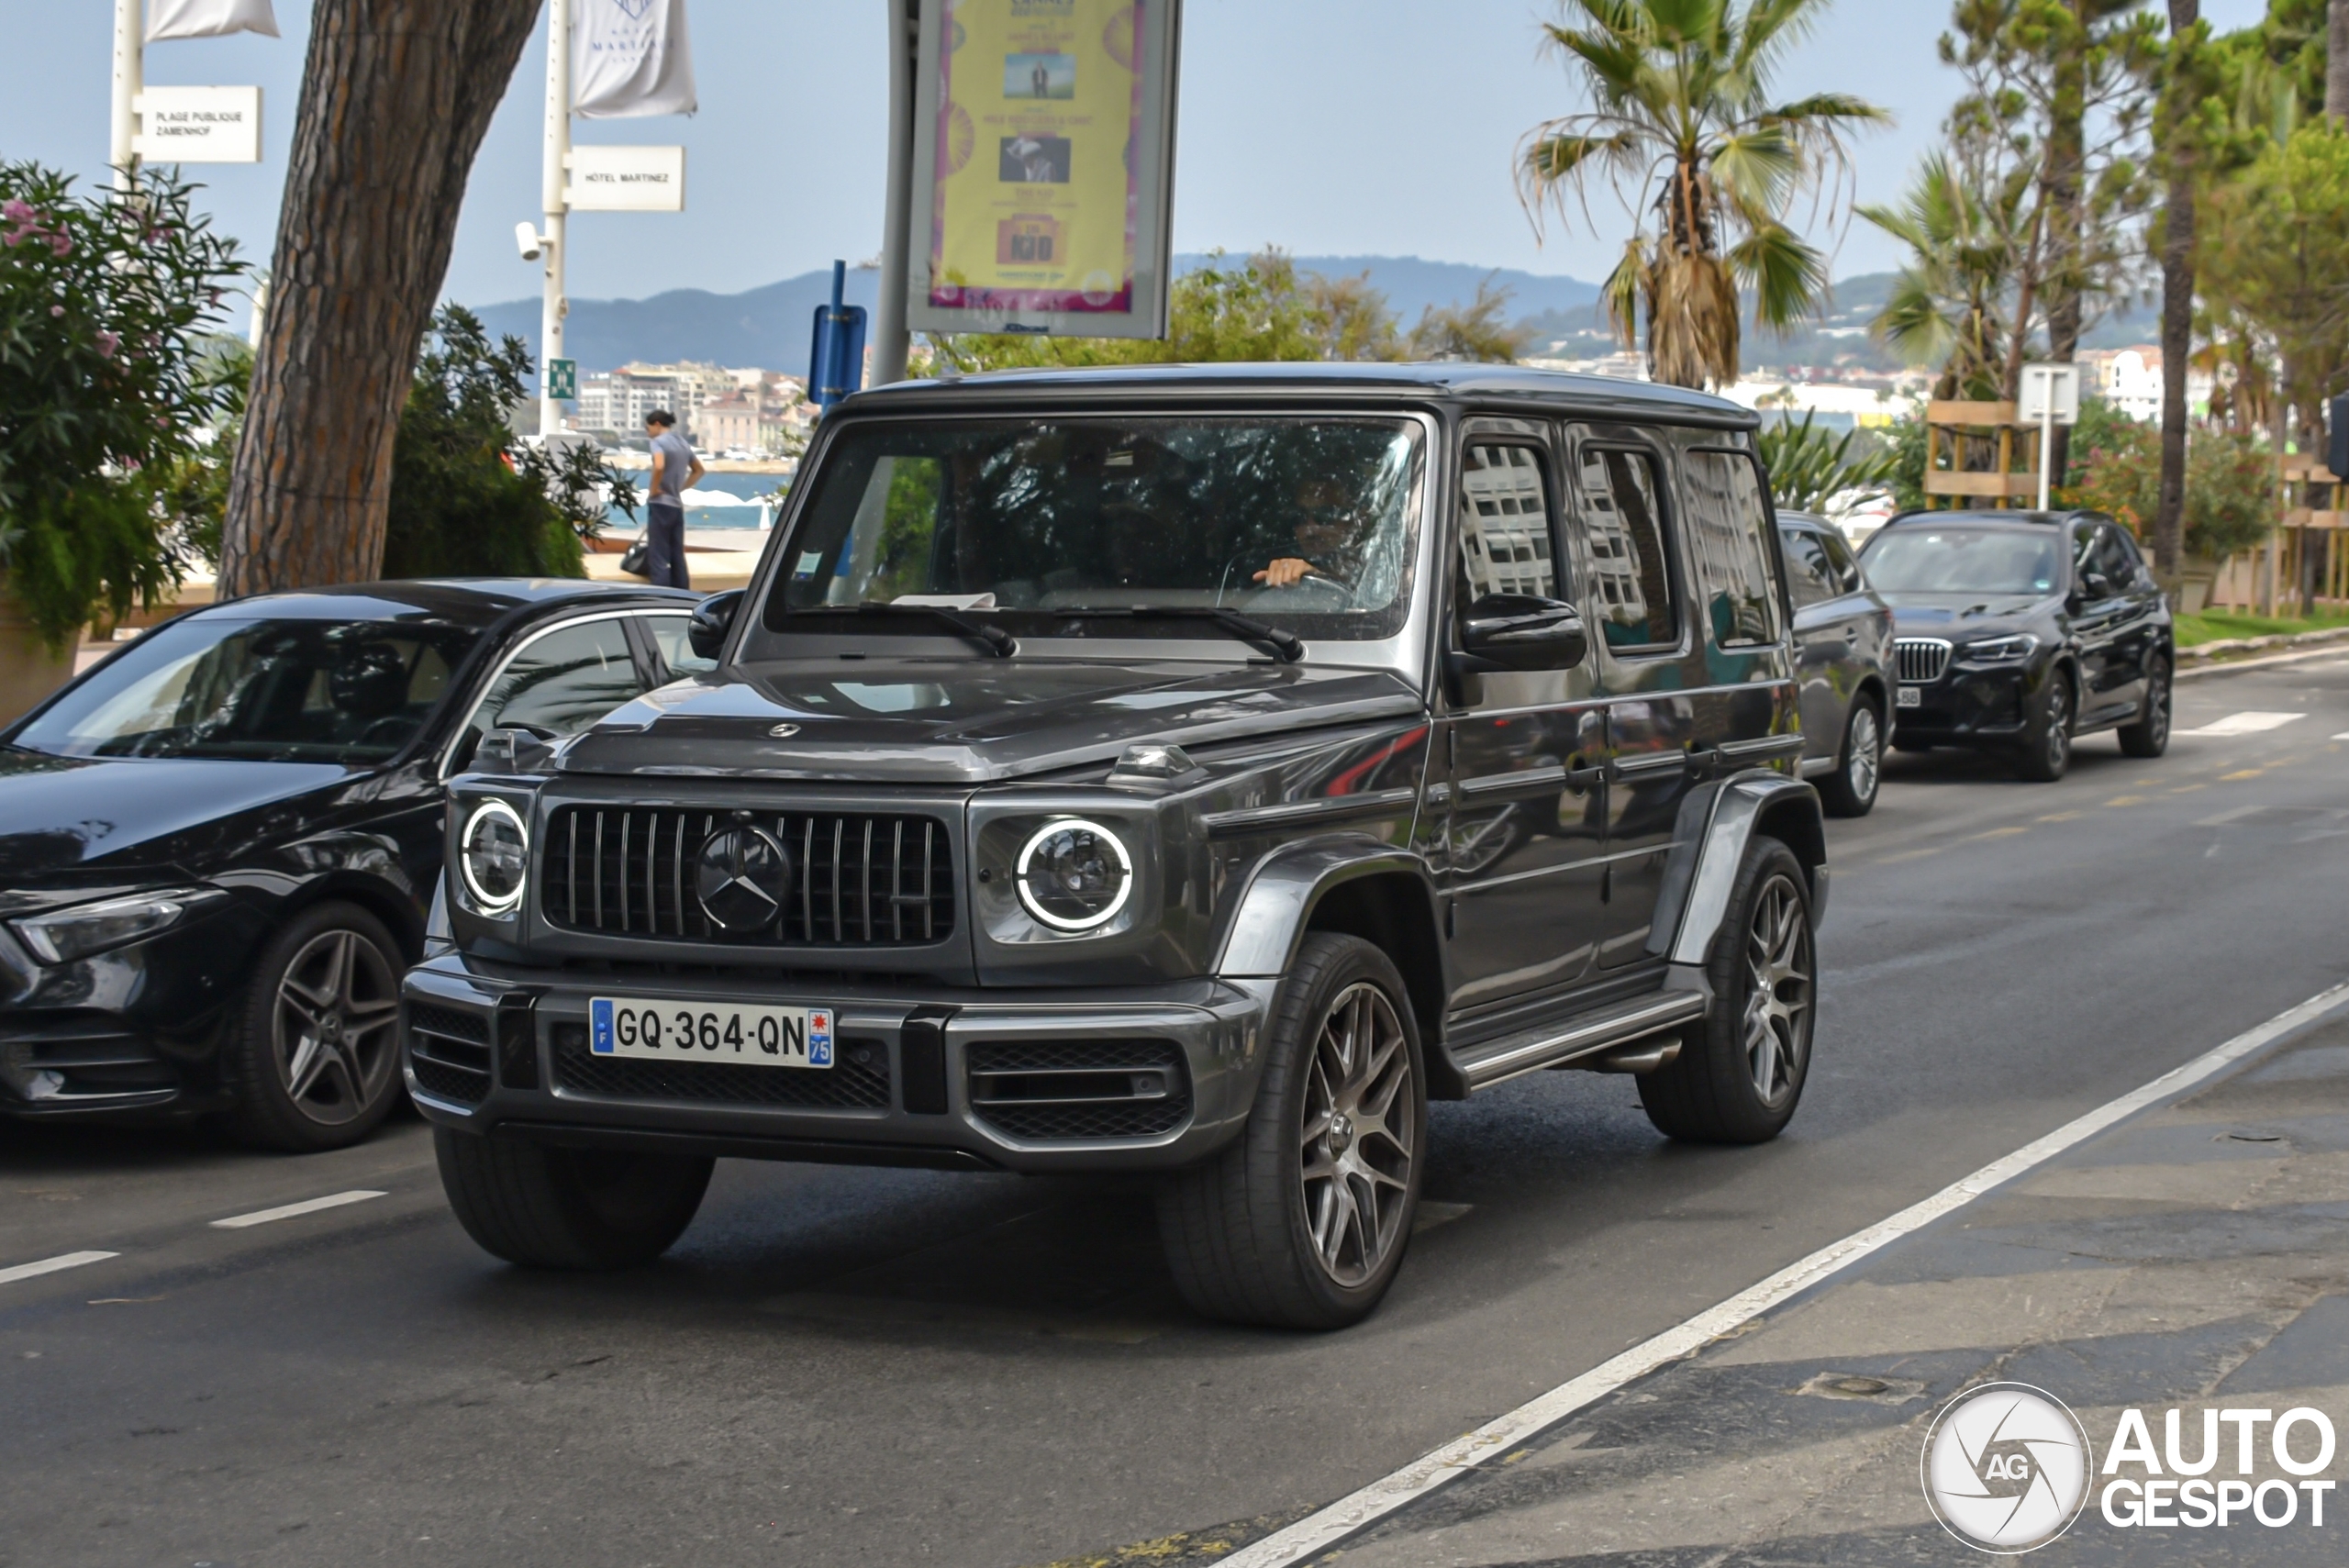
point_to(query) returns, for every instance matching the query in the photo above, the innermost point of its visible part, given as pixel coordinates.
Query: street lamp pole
(129, 81)
(555, 243)
(891, 342)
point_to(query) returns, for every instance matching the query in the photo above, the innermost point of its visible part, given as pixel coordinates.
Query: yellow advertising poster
(1036, 185)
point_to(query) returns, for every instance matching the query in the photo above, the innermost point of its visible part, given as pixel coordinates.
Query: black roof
(1441, 380)
(473, 603)
(1991, 517)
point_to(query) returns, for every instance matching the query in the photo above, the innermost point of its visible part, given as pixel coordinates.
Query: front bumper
(1136, 1078)
(1967, 705)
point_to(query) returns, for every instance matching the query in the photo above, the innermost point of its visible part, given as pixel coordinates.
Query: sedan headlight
(1073, 875)
(2002, 649)
(493, 857)
(63, 935)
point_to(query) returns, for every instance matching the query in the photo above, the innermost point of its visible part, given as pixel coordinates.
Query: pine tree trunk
(2177, 294)
(2337, 59)
(2067, 151)
(396, 96)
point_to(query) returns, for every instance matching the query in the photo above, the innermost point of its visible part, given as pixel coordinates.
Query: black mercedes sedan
(2022, 631)
(219, 846)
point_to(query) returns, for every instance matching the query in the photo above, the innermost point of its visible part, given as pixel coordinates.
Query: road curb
(2267, 664)
(2306, 645)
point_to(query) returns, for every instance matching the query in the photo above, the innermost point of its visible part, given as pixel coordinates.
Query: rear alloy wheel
(1302, 1221)
(2047, 739)
(1849, 790)
(316, 1053)
(1740, 1075)
(2149, 735)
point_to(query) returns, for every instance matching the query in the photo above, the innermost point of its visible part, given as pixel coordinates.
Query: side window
(1811, 577)
(676, 651)
(1847, 566)
(2117, 559)
(1631, 580)
(1504, 543)
(563, 682)
(1729, 533)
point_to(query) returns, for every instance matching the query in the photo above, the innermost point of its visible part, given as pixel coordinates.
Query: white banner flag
(631, 58)
(207, 19)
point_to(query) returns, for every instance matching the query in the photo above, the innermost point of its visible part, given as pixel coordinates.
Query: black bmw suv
(1179, 770)
(2022, 631)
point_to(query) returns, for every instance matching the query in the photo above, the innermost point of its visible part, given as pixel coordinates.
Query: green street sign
(563, 378)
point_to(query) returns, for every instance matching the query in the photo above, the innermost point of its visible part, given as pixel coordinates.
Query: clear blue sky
(1328, 126)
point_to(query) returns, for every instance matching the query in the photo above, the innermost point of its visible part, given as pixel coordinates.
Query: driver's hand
(1286, 572)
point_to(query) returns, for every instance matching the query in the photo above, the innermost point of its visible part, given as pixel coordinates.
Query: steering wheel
(392, 729)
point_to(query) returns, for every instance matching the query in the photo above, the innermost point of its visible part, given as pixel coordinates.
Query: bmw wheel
(2149, 735)
(2047, 739)
(1302, 1221)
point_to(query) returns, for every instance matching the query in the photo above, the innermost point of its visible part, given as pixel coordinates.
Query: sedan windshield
(307, 691)
(1066, 528)
(1912, 560)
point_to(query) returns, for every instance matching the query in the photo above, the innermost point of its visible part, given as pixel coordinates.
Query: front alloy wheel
(2047, 743)
(314, 1056)
(1849, 790)
(1357, 1142)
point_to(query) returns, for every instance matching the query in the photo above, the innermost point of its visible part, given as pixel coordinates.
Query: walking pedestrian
(676, 470)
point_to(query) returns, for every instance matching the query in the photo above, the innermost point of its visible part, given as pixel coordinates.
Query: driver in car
(1329, 526)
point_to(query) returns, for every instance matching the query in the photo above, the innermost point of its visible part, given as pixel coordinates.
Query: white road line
(50, 1266)
(2246, 724)
(2343, 736)
(308, 1205)
(1317, 1532)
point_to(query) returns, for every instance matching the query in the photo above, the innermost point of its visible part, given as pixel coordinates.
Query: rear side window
(1729, 530)
(1846, 565)
(1505, 546)
(1631, 583)
(1811, 577)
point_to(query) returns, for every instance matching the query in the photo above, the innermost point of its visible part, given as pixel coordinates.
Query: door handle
(1580, 775)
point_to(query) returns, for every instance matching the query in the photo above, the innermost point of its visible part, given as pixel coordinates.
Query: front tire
(1850, 789)
(2149, 735)
(2047, 739)
(568, 1208)
(1303, 1220)
(1740, 1079)
(314, 1051)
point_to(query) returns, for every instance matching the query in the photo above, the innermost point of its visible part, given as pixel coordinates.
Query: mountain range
(769, 326)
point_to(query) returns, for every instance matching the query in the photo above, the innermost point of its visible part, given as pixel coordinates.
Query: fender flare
(1269, 920)
(1716, 822)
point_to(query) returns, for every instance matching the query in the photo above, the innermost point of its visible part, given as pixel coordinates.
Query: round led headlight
(1075, 876)
(492, 856)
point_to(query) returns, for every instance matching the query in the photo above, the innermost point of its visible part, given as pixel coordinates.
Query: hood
(65, 817)
(961, 721)
(1964, 614)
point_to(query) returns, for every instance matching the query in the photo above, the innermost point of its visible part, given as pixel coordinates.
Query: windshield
(1309, 523)
(1912, 560)
(307, 691)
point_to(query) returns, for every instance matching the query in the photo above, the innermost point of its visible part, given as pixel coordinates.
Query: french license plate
(1910, 697)
(673, 1032)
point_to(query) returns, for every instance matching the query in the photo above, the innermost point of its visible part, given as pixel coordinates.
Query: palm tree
(1681, 90)
(1948, 305)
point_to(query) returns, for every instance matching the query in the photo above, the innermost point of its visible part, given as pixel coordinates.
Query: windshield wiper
(994, 638)
(1286, 646)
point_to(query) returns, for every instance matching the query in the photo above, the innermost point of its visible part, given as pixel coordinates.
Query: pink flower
(56, 310)
(61, 244)
(108, 344)
(18, 211)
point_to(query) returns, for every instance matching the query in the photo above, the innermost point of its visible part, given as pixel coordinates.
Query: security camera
(527, 240)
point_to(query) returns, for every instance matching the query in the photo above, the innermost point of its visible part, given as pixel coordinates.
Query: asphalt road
(844, 1366)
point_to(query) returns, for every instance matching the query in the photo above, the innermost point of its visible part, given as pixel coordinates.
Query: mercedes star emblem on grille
(784, 731)
(742, 877)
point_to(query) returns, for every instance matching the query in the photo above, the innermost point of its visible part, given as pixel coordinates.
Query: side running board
(1590, 1035)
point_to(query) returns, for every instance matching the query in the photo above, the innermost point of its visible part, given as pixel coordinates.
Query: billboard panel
(1043, 167)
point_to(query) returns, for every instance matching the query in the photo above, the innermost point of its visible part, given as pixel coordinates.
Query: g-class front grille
(1922, 659)
(852, 880)
(1049, 1089)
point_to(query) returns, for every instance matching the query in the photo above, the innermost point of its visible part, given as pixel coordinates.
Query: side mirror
(712, 619)
(515, 748)
(1519, 631)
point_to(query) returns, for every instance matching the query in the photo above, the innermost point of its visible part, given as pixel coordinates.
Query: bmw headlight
(2002, 649)
(1075, 876)
(492, 856)
(63, 935)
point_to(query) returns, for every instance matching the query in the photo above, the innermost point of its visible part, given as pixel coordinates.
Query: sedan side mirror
(712, 619)
(1519, 631)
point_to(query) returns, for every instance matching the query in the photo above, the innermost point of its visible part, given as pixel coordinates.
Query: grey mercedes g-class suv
(1189, 770)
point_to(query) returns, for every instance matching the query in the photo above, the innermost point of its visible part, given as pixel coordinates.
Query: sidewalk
(2193, 1258)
